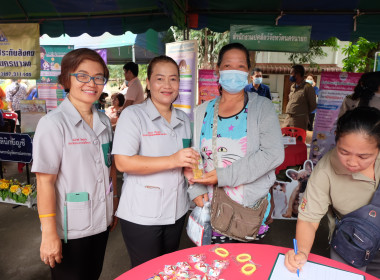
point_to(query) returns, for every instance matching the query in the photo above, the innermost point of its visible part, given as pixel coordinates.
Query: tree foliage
(117, 74)
(315, 51)
(360, 56)
(209, 44)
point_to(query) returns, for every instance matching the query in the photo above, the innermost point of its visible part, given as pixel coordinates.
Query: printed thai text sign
(15, 147)
(272, 38)
(19, 51)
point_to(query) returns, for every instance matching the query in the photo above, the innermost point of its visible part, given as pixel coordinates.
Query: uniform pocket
(79, 215)
(148, 201)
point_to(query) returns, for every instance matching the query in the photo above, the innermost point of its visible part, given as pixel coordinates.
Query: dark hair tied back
(360, 120)
(368, 84)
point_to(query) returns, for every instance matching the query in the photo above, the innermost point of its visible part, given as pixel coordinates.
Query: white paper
(311, 271)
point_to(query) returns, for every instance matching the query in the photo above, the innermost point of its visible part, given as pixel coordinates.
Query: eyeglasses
(84, 78)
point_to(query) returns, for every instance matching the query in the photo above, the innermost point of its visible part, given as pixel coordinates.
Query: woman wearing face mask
(302, 99)
(248, 138)
(366, 93)
(310, 80)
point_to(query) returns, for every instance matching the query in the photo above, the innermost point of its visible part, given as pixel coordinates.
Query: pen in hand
(295, 251)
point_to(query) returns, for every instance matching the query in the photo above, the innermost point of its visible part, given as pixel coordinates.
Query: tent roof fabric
(345, 19)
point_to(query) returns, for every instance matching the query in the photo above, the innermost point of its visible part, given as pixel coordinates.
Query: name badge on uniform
(107, 153)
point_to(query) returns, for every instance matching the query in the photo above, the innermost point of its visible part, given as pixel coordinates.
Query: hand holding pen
(295, 259)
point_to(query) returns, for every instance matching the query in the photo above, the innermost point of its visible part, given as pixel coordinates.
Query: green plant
(16, 191)
(209, 44)
(315, 51)
(359, 55)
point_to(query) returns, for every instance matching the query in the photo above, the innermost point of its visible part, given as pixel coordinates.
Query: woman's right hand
(293, 261)
(51, 249)
(199, 200)
(187, 157)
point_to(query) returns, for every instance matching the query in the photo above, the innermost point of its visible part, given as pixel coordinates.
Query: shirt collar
(132, 81)
(341, 170)
(153, 113)
(75, 118)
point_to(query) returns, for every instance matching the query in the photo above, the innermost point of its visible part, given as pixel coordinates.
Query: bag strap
(374, 201)
(376, 197)
(214, 139)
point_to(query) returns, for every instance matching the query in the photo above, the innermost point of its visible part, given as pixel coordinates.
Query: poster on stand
(186, 55)
(333, 89)
(32, 111)
(19, 51)
(47, 86)
(208, 87)
(287, 196)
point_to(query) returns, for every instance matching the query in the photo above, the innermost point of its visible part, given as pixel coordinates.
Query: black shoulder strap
(376, 197)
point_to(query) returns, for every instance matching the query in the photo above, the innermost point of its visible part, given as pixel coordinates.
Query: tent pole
(133, 54)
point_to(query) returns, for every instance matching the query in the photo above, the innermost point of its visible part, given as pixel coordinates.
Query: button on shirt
(332, 185)
(262, 90)
(65, 145)
(159, 198)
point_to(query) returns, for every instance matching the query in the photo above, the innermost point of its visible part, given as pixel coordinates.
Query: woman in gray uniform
(149, 149)
(72, 161)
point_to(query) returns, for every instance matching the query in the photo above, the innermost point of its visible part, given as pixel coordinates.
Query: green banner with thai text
(20, 51)
(272, 38)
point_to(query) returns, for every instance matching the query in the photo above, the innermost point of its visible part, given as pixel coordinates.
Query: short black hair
(256, 69)
(299, 69)
(133, 67)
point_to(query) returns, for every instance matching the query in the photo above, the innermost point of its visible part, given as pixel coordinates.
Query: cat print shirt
(231, 144)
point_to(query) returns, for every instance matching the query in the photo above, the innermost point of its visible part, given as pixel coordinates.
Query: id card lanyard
(215, 133)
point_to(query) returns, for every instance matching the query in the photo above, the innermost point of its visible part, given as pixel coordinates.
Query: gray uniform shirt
(159, 198)
(80, 156)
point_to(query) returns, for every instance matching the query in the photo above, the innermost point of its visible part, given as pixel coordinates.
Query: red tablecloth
(265, 255)
(294, 155)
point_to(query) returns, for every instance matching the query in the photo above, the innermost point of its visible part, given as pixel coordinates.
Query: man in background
(257, 85)
(302, 99)
(16, 92)
(135, 92)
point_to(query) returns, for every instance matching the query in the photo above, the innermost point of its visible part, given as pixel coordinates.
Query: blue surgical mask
(309, 81)
(258, 81)
(233, 81)
(292, 79)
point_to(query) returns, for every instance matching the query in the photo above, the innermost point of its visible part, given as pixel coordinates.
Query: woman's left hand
(210, 178)
(114, 218)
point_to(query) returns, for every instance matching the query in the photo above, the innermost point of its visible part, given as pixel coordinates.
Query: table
(264, 255)
(294, 155)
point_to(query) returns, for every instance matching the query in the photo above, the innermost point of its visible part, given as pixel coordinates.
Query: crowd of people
(77, 150)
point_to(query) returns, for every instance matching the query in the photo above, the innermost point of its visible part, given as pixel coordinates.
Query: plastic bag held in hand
(198, 226)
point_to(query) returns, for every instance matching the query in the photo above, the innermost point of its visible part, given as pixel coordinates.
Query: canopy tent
(140, 48)
(345, 19)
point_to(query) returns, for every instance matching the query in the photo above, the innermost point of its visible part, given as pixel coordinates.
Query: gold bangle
(47, 215)
(243, 258)
(251, 269)
(221, 252)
